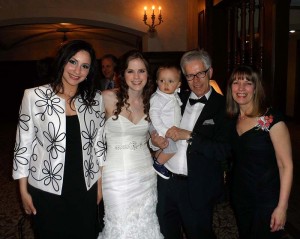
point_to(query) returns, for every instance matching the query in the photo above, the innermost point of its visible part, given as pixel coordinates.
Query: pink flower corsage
(264, 122)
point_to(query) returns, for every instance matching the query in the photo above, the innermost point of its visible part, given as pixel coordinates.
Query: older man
(186, 200)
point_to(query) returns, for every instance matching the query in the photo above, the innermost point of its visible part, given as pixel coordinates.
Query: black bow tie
(202, 100)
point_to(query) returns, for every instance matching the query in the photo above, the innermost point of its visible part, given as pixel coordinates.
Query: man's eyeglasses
(199, 75)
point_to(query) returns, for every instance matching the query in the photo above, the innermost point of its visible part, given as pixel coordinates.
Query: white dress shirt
(178, 163)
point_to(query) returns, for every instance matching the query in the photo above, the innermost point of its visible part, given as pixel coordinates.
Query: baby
(165, 112)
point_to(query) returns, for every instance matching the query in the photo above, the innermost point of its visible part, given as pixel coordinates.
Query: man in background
(109, 66)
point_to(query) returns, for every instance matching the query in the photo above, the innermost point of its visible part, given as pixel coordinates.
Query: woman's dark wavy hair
(122, 93)
(86, 89)
(259, 99)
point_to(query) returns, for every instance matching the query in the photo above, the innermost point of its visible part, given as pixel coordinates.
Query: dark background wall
(16, 76)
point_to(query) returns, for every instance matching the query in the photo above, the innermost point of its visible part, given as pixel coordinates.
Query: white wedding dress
(129, 182)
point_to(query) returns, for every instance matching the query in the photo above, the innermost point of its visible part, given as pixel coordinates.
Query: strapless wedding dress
(129, 182)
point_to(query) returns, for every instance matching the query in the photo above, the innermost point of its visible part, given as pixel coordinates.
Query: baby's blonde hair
(164, 67)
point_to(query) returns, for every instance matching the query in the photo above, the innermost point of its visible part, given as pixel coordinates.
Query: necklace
(135, 105)
(242, 117)
(134, 109)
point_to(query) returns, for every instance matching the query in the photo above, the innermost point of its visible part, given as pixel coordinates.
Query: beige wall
(123, 15)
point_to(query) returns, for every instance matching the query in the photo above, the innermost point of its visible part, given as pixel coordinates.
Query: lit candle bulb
(159, 8)
(145, 9)
(153, 7)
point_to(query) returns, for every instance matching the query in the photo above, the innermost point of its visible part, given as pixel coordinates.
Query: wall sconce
(152, 25)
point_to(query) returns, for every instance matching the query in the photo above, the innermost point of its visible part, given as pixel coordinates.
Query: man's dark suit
(206, 155)
(103, 84)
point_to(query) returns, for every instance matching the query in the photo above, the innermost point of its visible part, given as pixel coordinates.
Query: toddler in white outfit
(165, 112)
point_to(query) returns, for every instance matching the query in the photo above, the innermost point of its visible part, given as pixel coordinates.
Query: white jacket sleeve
(100, 146)
(25, 137)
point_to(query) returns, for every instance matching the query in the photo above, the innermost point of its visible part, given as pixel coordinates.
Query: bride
(128, 179)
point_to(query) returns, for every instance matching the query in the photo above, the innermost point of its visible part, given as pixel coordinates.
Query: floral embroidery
(102, 148)
(264, 123)
(49, 101)
(47, 106)
(90, 173)
(19, 159)
(55, 138)
(53, 175)
(19, 151)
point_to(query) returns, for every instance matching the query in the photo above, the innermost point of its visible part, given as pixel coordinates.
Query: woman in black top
(262, 158)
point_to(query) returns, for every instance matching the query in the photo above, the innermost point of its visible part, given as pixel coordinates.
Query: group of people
(76, 146)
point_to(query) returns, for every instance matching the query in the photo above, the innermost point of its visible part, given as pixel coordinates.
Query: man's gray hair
(200, 55)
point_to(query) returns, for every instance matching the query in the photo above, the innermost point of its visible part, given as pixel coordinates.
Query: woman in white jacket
(59, 147)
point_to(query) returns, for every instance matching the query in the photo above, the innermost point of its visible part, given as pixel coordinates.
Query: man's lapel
(184, 99)
(208, 110)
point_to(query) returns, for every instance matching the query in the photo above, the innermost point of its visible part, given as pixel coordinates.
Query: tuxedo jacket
(40, 146)
(208, 151)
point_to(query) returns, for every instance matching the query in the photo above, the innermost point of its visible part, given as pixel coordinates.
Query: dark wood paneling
(297, 86)
(16, 77)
